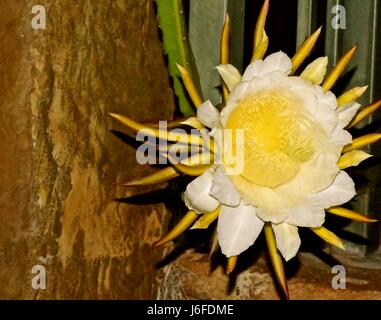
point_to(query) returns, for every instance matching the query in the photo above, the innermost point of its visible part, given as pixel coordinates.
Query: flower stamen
(275, 145)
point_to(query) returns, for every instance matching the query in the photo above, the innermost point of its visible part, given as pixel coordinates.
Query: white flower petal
(196, 195)
(347, 113)
(230, 75)
(278, 61)
(239, 92)
(340, 136)
(327, 118)
(253, 70)
(264, 197)
(237, 229)
(305, 216)
(308, 100)
(341, 191)
(324, 97)
(274, 216)
(319, 106)
(287, 240)
(299, 83)
(274, 79)
(314, 175)
(223, 189)
(208, 114)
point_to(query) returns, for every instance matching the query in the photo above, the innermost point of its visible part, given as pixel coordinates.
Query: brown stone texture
(59, 160)
(193, 276)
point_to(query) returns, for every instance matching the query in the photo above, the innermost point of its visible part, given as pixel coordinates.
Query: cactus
(177, 47)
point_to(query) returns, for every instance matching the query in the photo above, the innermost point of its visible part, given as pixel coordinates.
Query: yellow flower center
(276, 139)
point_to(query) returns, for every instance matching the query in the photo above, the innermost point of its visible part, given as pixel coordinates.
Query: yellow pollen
(276, 140)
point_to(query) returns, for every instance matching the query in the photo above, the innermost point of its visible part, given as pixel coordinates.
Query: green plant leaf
(206, 19)
(177, 48)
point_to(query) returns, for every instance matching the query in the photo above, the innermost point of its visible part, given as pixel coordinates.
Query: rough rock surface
(192, 277)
